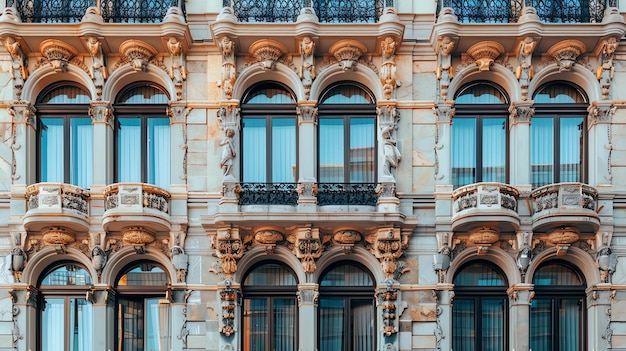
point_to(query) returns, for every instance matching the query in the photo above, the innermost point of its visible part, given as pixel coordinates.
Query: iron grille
(268, 194)
(347, 194)
(72, 11)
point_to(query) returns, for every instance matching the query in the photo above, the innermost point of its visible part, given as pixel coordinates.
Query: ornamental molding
(137, 237)
(567, 53)
(101, 112)
(22, 112)
(138, 53)
(388, 66)
(307, 112)
(58, 54)
(57, 236)
(229, 69)
(307, 68)
(387, 245)
(485, 53)
(347, 52)
(521, 112)
(600, 113)
(307, 246)
(228, 248)
(267, 52)
(606, 70)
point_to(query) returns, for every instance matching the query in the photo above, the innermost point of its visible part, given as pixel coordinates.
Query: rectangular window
(273, 161)
(463, 151)
(331, 145)
(143, 150)
(61, 139)
(66, 324)
(138, 323)
(269, 324)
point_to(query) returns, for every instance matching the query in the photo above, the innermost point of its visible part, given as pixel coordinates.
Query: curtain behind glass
(159, 152)
(81, 152)
(569, 324)
(331, 331)
(255, 324)
(463, 325)
(331, 146)
(152, 324)
(362, 328)
(541, 324)
(129, 150)
(283, 150)
(284, 313)
(53, 325)
(494, 150)
(463, 151)
(492, 324)
(362, 150)
(51, 150)
(542, 151)
(254, 150)
(570, 149)
(81, 325)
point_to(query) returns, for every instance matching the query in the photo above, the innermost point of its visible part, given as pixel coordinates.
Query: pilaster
(101, 113)
(307, 313)
(521, 113)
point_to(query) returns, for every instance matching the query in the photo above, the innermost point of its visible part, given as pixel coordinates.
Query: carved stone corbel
(101, 112)
(600, 112)
(307, 247)
(445, 71)
(228, 248)
(485, 53)
(138, 53)
(307, 112)
(347, 52)
(268, 238)
(346, 239)
(267, 52)
(521, 112)
(605, 69)
(388, 67)
(57, 53)
(386, 244)
(524, 71)
(307, 68)
(229, 70)
(178, 70)
(566, 53)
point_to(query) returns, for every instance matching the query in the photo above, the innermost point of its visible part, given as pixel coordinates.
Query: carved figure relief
(98, 70)
(524, 70)
(19, 65)
(388, 67)
(567, 53)
(229, 71)
(606, 70)
(391, 154)
(228, 153)
(445, 72)
(307, 69)
(178, 70)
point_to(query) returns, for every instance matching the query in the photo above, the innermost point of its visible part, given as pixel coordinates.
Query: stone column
(519, 316)
(307, 307)
(600, 142)
(599, 332)
(519, 143)
(102, 119)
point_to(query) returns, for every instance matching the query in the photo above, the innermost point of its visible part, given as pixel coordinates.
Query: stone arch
(45, 76)
(255, 74)
(126, 75)
(257, 254)
(496, 256)
(360, 255)
(579, 75)
(497, 74)
(48, 256)
(361, 74)
(127, 255)
(576, 256)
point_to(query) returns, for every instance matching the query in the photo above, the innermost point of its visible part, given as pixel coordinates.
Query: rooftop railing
(327, 11)
(72, 11)
(508, 11)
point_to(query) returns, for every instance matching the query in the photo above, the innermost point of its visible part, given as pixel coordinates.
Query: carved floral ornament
(485, 53)
(567, 52)
(58, 236)
(58, 53)
(483, 238)
(347, 52)
(267, 52)
(138, 53)
(563, 238)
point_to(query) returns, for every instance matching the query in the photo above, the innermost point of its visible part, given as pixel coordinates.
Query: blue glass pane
(254, 145)
(542, 151)
(51, 156)
(144, 94)
(81, 325)
(463, 151)
(480, 94)
(67, 275)
(362, 154)
(346, 94)
(158, 157)
(255, 324)
(284, 150)
(570, 150)
(556, 274)
(558, 94)
(331, 327)
(541, 324)
(270, 95)
(53, 325)
(129, 150)
(81, 152)
(478, 274)
(331, 155)
(494, 150)
(66, 95)
(271, 274)
(346, 275)
(463, 325)
(144, 275)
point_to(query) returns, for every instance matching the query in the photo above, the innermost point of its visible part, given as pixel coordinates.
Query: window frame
(478, 294)
(143, 112)
(558, 293)
(270, 293)
(347, 111)
(348, 294)
(268, 112)
(65, 112)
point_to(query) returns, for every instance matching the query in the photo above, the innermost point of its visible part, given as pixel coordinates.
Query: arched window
(65, 137)
(142, 310)
(66, 319)
(347, 317)
(480, 135)
(479, 319)
(557, 312)
(269, 135)
(558, 142)
(142, 136)
(270, 308)
(347, 135)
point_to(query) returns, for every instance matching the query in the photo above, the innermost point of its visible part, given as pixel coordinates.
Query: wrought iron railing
(268, 194)
(327, 11)
(508, 11)
(347, 194)
(114, 11)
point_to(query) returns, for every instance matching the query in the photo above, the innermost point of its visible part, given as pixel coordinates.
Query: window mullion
(67, 143)
(478, 177)
(269, 125)
(346, 149)
(556, 125)
(144, 149)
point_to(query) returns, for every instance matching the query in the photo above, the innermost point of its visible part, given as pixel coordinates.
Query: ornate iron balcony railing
(508, 11)
(347, 194)
(328, 11)
(268, 194)
(72, 11)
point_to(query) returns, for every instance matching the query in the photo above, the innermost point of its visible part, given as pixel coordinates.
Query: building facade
(313, 175)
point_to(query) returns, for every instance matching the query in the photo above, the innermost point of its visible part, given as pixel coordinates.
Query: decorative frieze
(567, 53)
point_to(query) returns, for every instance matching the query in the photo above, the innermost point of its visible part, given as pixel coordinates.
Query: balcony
(485, 204)
(56, 205)
(72, 11)
(327, 11)
(137, 206)
(339, 194)
(509, 11)
(565, 205)
(268, 194)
